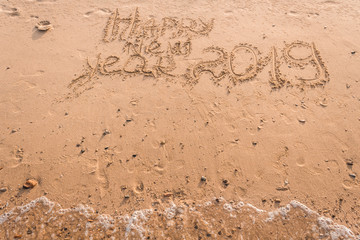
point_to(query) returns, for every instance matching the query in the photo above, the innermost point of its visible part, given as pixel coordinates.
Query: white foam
(283, 211)
(240, 204)
(170, 212)
(137, 221)
(27, 207)
(296, 204)
(84, 210)
(106, 221)
(228, 207)
(271, 217)
(335, 230)
(255, 208)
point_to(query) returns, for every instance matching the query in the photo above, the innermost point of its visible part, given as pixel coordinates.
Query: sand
(133, 105)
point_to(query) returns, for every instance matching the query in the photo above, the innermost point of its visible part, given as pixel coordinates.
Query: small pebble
(203, 179)
(168, 194)
(323, 104)
(15, 12)
(31, 183)
(106, 132)
(282, 188)
(349, 162)
(352, 175)
(3, 189)
(302, 120)
(43, 25)
(353, 52)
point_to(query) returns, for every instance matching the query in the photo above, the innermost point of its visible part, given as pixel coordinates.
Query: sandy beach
(180, 119)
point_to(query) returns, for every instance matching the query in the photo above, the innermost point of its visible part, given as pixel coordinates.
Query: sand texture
(180, 119)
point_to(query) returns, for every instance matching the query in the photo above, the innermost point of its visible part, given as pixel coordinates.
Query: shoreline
(118, 105)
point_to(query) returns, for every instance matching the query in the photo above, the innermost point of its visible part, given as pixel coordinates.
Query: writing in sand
(165, 49)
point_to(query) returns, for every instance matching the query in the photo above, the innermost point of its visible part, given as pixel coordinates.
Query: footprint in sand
(100, 12)
(333, 165)
(348, 183)
(159, 168)
(10, 10)
(17, 156)
(231, 128)
(139, 188)
(101, 175)
(300, 162)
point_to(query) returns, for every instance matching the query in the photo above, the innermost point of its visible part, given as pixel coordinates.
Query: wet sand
(139, 105)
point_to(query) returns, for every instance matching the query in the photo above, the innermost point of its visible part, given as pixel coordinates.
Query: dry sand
(158, 105)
